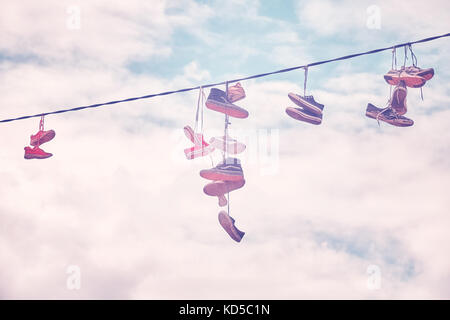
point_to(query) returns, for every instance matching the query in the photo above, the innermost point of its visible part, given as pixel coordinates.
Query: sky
(348, 209)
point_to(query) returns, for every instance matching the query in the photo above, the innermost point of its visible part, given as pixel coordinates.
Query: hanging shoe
(195, 138)
(227, 224)
(42, 137)
(236, 93)
(304, 115)
(220, 188)
(388, 115)
(229, 170)
(36, 153)
(198, 151)
(232, 145)
(427, 73)
(307, 103)
(217, 101)
(411, 79)
(398, 99)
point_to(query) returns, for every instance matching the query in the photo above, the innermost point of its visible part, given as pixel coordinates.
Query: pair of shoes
(227, 222)
(218, 100)
(310, 111)
(412, 76)
(200, 148)
(36, 140)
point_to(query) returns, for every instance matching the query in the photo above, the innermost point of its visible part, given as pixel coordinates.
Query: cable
(227, 81)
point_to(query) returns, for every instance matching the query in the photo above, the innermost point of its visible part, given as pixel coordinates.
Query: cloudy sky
(347, 209)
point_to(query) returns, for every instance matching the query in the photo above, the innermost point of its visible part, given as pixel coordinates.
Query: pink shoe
(236, 93)
(227, 223)
(219, 188)
(42, 137)
(36, 153)
(196, 138)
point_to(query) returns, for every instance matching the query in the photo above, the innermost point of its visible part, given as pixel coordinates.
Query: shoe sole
(304, 104)
(44, 139)
(227, 224)
(34, 156)
(229, 109)
(218, 175)
(298, 115)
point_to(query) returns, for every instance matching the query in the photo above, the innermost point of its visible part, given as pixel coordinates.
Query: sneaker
(427, 73)
(398, 99)
(304, 115)
(217, 101)
(36, 153)
(41, 137)
(307, 103)
(229, 170)
(227, 223)
(220, 188)
(388, 115)
(236, 93)
(411, 79)
(197, 151)
(233, 146)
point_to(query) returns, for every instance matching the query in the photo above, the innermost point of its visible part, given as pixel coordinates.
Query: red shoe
(219, 188)
(42, 137)
(227, 223)
(36, 153)
(398, 99)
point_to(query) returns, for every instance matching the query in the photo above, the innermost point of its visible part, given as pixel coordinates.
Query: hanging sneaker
(36, 153)
(307, 103)
(198, 151)
(195, 138)
(411, 79)
(398, 99)
(232, 145)
(227, 224)
(388, 115)
(304, 115)
(42, 137)
(236, 93)
(220, 188)
(229, 170)
(427, 73)
(217, 101)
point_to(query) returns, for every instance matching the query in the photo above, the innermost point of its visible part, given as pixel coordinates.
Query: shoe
(197, 151)
(229, 170)
(227, 223)
(217, 101)
(36, 153)
(427, 73)
(398, 99)
(411, 79)
(236, 93)
(304, 115)
(388, 115)
(307, 103)
(233, 146)
(41, 137)
(220, 188)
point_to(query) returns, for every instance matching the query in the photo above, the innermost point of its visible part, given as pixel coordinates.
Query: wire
(227, 81)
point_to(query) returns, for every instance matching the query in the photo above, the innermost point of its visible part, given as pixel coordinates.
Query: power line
(228, 81)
